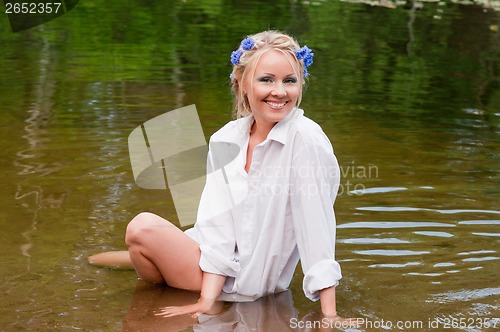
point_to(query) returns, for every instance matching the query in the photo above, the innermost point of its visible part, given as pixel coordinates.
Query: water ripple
(376, 190)
(444, 264)
(480, 259)
(395, 265)
(479, 222)
(407, 209)
(437, 234)
(466, 253)
(393, 224)
(466, 295)
(382, 252)
(424, 274)
(487, 234)
(368, 240)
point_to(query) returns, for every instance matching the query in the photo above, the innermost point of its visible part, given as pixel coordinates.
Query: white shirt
(254, 227)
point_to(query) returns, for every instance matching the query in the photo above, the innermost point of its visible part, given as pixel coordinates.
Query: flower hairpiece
(305, 54)
(246, 45)
(235, 56)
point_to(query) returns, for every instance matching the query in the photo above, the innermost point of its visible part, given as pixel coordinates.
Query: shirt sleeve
(315, 179)
(215, 225)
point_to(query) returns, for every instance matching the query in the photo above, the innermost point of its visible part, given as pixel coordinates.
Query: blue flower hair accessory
(305, 54)
(246, 45)
(235, 57)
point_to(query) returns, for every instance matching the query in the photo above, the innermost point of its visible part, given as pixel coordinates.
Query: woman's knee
(137, 227)
(142, 226)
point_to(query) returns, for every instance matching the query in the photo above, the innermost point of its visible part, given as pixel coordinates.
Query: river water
(409, 96)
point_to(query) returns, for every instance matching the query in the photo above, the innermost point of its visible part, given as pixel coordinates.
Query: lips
(276, 104)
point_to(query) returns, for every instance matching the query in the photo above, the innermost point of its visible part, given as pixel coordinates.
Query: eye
(290, 80)
(265, 79)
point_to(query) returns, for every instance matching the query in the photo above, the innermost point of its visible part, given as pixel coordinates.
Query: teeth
(276, 104)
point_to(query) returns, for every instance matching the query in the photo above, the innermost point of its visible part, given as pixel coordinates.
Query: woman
(279, 193)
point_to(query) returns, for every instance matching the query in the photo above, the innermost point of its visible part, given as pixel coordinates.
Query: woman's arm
(211, 287)
(329, 310)
(313, 217)
(328, 304)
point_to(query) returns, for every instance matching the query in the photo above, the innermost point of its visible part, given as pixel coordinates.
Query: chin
(277, 117)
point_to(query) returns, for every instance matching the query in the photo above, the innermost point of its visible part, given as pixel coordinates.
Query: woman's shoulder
(309, 132)
(307, 126)
(231, 130)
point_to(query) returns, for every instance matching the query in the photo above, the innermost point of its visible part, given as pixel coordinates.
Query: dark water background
(409, 96)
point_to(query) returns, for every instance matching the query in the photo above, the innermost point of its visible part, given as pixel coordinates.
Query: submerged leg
(160, 252)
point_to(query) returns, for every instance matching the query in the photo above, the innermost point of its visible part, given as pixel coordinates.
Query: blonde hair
(263, 42)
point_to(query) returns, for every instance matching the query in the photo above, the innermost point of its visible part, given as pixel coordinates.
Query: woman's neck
(259, 131)
(258, 134)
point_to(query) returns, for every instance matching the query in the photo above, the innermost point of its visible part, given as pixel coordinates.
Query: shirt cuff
(323, 274)
(217, 264)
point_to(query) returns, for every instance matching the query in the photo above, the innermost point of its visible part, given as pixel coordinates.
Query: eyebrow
(292, 74)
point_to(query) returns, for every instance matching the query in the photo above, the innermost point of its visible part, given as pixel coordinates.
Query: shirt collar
(279, 132)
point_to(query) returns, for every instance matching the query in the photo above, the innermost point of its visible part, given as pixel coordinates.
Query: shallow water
(409, 97)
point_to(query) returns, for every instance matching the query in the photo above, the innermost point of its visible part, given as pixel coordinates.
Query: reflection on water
(269, 313)
(275, 312)
(409, 97)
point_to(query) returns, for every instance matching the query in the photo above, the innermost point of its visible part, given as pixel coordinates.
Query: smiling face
(273, 88)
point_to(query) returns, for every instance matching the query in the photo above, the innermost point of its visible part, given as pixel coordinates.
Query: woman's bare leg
(160, 252)
(114, 259)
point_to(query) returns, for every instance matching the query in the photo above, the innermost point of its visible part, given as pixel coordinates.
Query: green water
(410, 99)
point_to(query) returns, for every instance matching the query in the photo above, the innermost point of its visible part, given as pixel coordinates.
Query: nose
(279, 90)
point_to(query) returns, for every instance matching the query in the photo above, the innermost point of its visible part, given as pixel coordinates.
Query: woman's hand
(329, 312)
(210, 289)
(203, 306)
